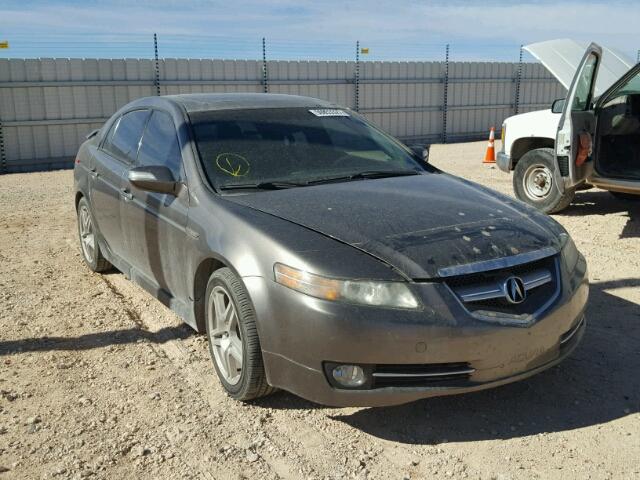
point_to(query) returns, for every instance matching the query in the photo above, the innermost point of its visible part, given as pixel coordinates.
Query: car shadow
(599, 202)
(94, 340)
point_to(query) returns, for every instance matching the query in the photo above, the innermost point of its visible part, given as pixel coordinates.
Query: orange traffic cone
(490, 156)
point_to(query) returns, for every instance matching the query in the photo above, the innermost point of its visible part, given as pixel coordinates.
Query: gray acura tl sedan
(322, 256)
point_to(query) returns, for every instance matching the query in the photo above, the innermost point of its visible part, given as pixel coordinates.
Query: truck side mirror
(557, 106)
(421, 151)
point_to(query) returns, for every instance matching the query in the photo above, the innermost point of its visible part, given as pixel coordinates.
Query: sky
(300, 29)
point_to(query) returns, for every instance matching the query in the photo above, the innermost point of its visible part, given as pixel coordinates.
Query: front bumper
(504, 162)
(299, 333)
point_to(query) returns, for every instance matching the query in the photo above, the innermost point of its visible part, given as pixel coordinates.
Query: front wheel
(533, 182)
(233, 337)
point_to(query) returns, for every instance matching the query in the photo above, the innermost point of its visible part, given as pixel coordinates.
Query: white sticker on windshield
(329, 112)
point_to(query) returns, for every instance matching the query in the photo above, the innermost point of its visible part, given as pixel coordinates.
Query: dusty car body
(606, 118)
(370, 289)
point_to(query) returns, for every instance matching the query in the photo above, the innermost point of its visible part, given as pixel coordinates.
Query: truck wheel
(534, 184)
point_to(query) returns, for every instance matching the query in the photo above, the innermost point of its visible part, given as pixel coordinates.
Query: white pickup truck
(591, 138)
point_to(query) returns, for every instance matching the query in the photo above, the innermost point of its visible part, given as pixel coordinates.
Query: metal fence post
(518, 82)
(446, 96)
(265, 77)
(156, 80)
(3, 156)
(357, 79)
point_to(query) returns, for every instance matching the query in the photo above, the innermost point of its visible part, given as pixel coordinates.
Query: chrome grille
(484, 293)
(496, 289)
(569, 337)
(421, 375)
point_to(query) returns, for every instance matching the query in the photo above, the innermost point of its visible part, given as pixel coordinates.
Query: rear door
(155, 223)
(577, 123)
(112, 160)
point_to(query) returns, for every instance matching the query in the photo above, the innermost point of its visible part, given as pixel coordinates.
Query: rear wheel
(87, 233)
(629, 197)
(534, 183)
(233, 337)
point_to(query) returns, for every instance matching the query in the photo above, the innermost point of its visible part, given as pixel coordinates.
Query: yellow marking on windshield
(233, 164)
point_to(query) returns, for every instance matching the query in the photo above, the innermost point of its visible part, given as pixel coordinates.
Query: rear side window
(160, 144)
(123, 141)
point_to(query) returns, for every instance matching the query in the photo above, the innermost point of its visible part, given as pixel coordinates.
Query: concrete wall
(48, 105)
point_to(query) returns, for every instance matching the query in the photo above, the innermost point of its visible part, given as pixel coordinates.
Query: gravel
(99, 380)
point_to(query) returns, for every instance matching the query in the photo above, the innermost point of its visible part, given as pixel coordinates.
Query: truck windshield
(287, 147)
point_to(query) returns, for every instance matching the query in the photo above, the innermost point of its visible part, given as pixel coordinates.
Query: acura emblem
(514, 290)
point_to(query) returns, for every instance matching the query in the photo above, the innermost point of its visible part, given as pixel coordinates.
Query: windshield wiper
(282, 184)
(366, 174)
(275, 185)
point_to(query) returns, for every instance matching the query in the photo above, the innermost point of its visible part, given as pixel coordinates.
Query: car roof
(203, 102)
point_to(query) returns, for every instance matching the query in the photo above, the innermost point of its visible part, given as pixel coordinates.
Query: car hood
(563, 56)
(420, 225)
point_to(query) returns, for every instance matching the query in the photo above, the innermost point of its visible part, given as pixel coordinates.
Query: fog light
(349, 375)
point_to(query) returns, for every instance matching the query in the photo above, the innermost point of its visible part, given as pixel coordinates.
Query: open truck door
(547, 177)
(574, 140)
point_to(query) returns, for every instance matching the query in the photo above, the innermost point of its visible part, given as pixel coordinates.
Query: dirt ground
(99, 380)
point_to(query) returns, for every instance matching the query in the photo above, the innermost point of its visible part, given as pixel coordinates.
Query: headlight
(384, 294)
(569, 252)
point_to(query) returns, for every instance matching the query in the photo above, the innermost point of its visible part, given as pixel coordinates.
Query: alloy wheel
(87, 235)
(225, 335)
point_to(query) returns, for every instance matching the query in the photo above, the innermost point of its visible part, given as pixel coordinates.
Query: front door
(577, 124)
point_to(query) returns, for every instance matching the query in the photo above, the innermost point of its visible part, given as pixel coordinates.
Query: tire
(627, 197)
(88, 237)
(533, 182)
(241, 372)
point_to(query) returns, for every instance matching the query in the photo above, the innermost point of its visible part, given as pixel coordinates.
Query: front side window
(160, 144)
(585, 82)
(293, 145)
(124, 141)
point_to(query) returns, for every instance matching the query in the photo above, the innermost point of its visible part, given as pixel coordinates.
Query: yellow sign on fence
(4, 44)
(364, 51)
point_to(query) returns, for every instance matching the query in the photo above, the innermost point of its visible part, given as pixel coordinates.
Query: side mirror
(421, 151)
(153, 179)
(558, 105)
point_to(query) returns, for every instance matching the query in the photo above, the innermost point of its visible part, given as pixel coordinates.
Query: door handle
(93, 172)
(126, 194)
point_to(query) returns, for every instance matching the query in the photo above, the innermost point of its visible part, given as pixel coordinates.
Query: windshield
(294, 146)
